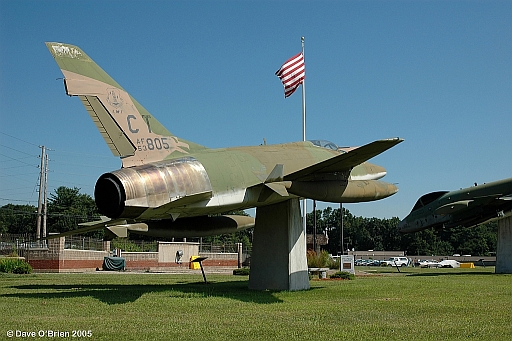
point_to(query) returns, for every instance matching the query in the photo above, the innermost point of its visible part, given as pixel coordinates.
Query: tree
(18, 219)
(382, 234)
(67, 208)
(479, 240)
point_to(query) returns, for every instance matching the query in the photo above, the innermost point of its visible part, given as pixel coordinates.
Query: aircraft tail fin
(129, 130)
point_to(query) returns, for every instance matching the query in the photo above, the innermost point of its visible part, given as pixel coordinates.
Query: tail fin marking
(127, 128)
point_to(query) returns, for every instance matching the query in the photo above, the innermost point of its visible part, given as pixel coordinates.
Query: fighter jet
(466, 207)
(171, 187)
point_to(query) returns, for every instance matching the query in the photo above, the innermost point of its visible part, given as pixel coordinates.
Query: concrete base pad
(504, 247)
(278, 260)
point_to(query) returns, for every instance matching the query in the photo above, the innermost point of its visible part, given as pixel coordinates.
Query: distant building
(321, 240)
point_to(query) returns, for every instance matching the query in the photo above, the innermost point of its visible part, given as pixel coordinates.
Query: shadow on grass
(120, 293)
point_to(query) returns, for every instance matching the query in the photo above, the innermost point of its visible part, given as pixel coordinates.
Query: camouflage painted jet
(170, 187)
(466, 207)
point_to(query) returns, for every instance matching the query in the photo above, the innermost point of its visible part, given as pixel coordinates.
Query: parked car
(449, 263)
(395, 261)
(429, 264)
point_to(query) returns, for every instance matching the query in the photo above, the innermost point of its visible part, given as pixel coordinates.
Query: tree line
(67, 208)
(360, 233)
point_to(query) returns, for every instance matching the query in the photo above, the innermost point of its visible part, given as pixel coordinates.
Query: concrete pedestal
(278, 260)
(504, 249)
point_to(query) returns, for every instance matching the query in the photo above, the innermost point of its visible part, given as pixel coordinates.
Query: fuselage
(466, 207)
(221, 180)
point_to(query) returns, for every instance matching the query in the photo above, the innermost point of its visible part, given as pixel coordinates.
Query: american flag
(292, 74)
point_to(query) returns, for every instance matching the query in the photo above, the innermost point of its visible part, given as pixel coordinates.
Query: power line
(61, 215)
(16, 150)
(68, 167)
(17, 200)
(16, 138)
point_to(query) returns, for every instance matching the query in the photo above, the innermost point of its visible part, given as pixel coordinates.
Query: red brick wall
(57, 265)
(54, 262)
(141, 264)
(220, 262)
(50, 265)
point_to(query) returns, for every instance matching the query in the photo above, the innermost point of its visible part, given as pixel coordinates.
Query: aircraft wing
(346, 161)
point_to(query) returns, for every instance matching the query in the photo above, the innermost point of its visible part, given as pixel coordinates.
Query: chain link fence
(19, 244)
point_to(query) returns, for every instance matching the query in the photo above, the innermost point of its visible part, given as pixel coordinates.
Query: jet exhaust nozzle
(128, 192)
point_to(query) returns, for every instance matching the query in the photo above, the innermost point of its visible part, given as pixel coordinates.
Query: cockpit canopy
(324, 144)
(427, 199)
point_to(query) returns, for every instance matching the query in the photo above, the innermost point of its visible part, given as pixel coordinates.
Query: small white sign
(347, 264)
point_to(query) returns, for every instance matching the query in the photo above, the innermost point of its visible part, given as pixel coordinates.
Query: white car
(449, 263)
(429, 264)
(396, 261)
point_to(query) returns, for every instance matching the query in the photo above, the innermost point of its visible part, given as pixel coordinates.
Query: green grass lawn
(416, 304)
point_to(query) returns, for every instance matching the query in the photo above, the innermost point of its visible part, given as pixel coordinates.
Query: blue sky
(436, 73)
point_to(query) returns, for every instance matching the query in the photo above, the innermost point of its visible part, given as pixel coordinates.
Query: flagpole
(304, 139)
(303, 98)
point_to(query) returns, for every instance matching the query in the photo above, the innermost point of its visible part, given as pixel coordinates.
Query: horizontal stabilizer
(121, 230)
(89, 227)
(103, 220)
(72, 232)
(118, 231)
(346, 161)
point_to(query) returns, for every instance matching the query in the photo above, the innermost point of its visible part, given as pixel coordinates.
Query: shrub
(241, 272)
(342, 275)
(334, 263)
(15, 266)
(22, 268)
(317, 260)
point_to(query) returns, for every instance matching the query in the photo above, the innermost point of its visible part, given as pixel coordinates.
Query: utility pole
(45, 203)
(40, 200)
(43, 190)
(314, 226)
(341, 229)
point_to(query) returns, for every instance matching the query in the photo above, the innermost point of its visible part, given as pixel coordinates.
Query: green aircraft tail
(128, 129)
